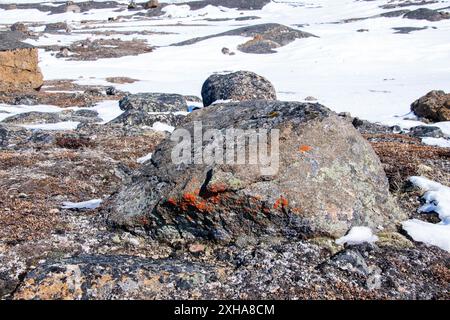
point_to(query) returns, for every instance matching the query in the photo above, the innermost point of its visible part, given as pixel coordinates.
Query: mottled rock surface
(434, 106)
(19, 70)
(237, 86)
(329, 179)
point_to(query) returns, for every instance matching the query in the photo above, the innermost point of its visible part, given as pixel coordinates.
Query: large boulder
(19, 70)
(237, 86)
(434, 106)
(328, 179)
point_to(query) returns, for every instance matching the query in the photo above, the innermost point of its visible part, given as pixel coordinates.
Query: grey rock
(265, 35)
(237, 86)
(426, 131)
(427, 14)
(329, 180)
(154, 102)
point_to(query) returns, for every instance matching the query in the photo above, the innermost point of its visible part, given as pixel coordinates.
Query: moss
(328, 244)
(393, 240)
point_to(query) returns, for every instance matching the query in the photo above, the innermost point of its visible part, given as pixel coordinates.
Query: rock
(154, 102)
(111, 91)
(152, 4)
(237, 86)
(427, 14)
(144, 109)
(141, 118)
(3, 136)
(329, 179)
(19, 70)
(19, 27)
(434, 106)
(426, 131)
(132, 5)
(259, 45)
(57, 27)
(365, 126)
(265, 37)
(73, 8)
(115, 277)
(351, 260)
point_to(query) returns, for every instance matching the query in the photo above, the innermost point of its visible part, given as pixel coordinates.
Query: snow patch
(145, 158)
(90, 204)
(358, 235)
(438, 142)
(437, 199)
(159, 126)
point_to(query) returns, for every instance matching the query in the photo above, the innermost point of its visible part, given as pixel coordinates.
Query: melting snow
(145, 158)
(437, 199)
(159, 126)
(91, 204)
(358, 235)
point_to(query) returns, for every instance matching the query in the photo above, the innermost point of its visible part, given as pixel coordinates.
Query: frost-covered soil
(53, 179)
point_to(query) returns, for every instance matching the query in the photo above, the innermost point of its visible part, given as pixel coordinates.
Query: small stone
(116, 239)
(54, 211)
(196, 248)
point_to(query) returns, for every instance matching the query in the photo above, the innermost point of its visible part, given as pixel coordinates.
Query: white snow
(90, 204)
(65, 125)
(437, 199)
(159, 126)
(358, 235)
(429, 233)
(145, 158)
(439, 142)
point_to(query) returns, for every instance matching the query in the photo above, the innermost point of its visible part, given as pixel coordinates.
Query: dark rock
(408, 30)
(426, 131)
(154, 102)
(237, 86)
(427, 14)
(351, 260)
(394, 14)
(3, 136)
(329, 179)
(265, 35)
(434, 106)
(19, 27)
(111, 91)
(143, 118)
(365, 126)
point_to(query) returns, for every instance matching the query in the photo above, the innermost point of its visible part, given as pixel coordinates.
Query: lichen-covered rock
(144, 109)
(426, 131)
(154, 102)
(329, 179)
(19, 70)
(427, 14)
(116, 277)
(152, 4)
(434, 106)
(237, 86)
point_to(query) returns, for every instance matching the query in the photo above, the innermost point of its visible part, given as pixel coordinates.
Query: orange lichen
(281, 203)
(305, 148)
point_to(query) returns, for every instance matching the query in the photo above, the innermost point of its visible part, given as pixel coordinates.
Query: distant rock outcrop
(237, 86)
(434, 106)
(427, 14)
(265, 37)
(19, 70)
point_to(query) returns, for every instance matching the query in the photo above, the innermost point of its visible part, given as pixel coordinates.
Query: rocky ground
(223, 246)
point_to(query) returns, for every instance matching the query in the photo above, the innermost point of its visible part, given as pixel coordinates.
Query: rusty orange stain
(305, 148)
(281, 203)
